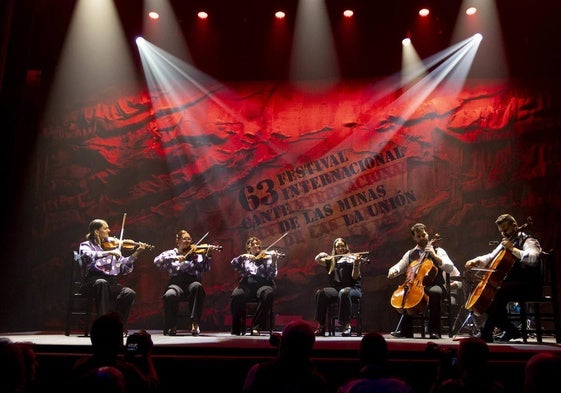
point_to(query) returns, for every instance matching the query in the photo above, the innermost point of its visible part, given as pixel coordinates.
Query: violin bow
(201, 239)
(122, 231)
(197, 243)
(276, 241)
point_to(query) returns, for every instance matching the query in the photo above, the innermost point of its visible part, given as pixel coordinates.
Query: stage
(184, 359)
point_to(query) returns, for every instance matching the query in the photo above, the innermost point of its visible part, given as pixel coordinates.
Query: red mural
(355, 160)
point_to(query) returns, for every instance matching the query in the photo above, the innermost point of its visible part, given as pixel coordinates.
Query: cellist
(434, 290)
(521, 278)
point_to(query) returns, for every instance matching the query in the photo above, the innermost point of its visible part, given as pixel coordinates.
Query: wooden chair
(539, 314)
(356, 316)
(80, 307)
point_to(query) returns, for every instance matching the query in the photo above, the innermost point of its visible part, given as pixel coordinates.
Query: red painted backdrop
(354, 160)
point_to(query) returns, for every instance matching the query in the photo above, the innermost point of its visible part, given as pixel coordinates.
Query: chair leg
(523, 322)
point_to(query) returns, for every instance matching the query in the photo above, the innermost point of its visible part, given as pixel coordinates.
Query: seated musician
(257, 270)
(185, 265)
(521, 278)
(104, 268)
(343, 273)
(434, 291)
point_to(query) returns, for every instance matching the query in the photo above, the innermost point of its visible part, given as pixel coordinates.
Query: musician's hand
(321, 258)
(472, 263)
(139, 249)
(115, 252)
(392, 273)
(430, 249)
(507, 244)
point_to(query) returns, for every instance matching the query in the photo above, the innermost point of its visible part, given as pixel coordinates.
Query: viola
(111, 243)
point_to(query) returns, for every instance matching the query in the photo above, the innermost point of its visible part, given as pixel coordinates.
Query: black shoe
(488, 338)
(400, 334)
(435, 336)
(320, 331)
(508, 335)
(255, 332)
(233, 333)
(170, 332)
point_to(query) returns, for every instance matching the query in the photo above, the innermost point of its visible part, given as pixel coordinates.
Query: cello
(484, 292)
(410, 298)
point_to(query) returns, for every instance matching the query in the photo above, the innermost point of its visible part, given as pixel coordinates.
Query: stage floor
(163, 344)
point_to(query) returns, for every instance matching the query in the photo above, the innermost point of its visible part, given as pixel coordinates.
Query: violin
(330, 259)
(203, 248)
(268, 253)
(111, 243)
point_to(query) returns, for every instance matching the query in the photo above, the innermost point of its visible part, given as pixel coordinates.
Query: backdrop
(311, 162)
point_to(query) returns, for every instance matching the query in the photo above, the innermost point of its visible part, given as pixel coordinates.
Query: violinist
(434, 290)
(343, 269)
(257, 269)
(522, 278)
(103, 267)
(184, 265)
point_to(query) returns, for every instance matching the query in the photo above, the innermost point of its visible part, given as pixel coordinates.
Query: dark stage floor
(184, 357)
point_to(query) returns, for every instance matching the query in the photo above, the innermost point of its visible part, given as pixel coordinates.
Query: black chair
(80, 307)
(184, 315)
(247, 319)
(356, 316)
(538, 315)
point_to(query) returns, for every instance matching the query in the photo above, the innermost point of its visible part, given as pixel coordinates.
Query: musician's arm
(443, 261)
(529, 254)
(482, 261)
(399, 267)
(321, 258)
(356, 269)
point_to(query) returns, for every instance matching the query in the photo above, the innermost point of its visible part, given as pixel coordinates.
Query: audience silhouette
(19, 366)
(541, 372)
(292, 370)
(472, 369)
(136, 366)
(374, 375)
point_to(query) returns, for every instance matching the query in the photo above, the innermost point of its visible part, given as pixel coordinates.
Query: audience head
(107, 335)
(297, 340)
(373, 349)
(542, 369)
(473, 354)
(103, 379)
(19, 365)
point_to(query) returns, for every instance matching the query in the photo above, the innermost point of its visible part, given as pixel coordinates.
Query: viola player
(343, 271)
(423, 251)
(522, 277)
(257, 270)
(103, 268)
(185, 265)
